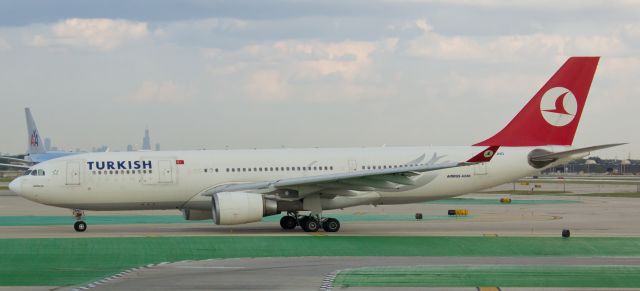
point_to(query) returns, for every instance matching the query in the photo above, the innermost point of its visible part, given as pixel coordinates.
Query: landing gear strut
(80, 225)
(309, 223)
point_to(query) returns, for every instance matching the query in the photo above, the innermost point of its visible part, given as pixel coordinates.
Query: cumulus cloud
(154, 92)
(267, 86)
(308, 70)
(100, 33)
(4, 45)
(508, 47)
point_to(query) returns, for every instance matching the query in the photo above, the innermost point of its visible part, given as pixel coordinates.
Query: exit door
(165, 171)
(73, 173)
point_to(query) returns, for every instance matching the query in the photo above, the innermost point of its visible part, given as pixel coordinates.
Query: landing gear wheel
(310, 224)
(331, 225)
(80, 226)
(288, 222)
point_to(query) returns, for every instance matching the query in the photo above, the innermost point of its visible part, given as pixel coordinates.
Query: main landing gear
(80, 225)
(309, 223)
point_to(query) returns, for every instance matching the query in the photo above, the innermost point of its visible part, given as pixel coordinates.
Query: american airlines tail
(35, 145)
(551, 117)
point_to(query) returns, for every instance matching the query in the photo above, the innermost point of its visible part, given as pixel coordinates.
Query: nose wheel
(80, 225)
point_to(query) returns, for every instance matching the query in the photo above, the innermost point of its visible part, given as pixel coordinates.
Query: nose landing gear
(80, 225)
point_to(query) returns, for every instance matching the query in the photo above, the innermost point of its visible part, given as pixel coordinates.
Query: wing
(341, 183)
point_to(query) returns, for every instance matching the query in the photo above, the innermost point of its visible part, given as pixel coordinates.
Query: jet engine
(239, 207)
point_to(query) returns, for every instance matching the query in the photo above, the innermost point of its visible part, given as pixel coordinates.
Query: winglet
(485, 155)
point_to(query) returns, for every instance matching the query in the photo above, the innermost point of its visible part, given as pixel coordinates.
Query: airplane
(36, 152)
(242, 186)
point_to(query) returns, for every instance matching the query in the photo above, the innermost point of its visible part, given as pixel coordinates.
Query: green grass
(4, 188)
(492, 275)
(72, 261)
(6, 179)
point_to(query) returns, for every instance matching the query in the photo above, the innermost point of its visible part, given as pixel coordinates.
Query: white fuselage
(176, 179)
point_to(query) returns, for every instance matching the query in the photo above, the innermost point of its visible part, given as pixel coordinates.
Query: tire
(80, 226)
(331, 225)
(310, 224)
(288, 222)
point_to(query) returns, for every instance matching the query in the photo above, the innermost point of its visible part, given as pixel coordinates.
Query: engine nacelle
(239, 207)
(195, 214)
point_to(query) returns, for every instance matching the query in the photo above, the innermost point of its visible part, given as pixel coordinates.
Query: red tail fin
(551, 117)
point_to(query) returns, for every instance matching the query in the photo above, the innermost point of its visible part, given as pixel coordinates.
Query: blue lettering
(145, 164)
(136, 165)
(100, 165)
(90, 165)
(121, 165)
(129, 163)
(110, 165)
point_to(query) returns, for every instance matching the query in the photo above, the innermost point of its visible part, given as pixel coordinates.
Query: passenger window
(111, 172)
(205, 170)
(325, 168)
(216, 170)
(331, 168)
(149, 171)
(99, 172)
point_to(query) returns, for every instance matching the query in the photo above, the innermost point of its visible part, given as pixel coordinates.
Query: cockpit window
(34, 173)
(40, 172)
(27, 172)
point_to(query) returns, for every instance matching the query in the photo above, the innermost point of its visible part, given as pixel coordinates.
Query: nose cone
(16, 186)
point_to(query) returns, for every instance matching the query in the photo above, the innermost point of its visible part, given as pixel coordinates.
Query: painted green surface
(69, 261)
(168, 219)
(528, 192)
(386, 217)
(492, 275)
(484, 201)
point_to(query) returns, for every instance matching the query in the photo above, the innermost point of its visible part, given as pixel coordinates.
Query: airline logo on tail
(558, 106)
(34, 139)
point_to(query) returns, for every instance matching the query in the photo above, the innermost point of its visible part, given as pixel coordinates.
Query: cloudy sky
(245, 74)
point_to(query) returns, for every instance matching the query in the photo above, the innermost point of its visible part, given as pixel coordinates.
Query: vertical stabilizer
(551, 117)
(34, 143)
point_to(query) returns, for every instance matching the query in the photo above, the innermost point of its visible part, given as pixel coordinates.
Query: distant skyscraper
(47, 144)
(129, 148)
(146, 140)
(157, 147)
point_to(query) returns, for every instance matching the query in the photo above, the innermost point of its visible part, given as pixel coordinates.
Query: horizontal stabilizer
(550, 157)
